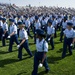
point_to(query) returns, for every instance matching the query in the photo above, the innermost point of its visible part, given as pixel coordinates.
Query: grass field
(9, 64)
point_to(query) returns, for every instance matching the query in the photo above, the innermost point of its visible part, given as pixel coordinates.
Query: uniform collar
(4, 23)
(22, 29)
(50, 26)
(12, 24)
(41, 40)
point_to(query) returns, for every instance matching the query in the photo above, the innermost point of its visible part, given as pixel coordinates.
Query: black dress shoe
(10, 51)
(20, 59)
(52, 48)
(31, 56)
(47, 70)
(70, 54)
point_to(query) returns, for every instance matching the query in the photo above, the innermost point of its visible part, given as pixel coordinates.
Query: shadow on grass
(42, 73)
(57, 42)
(1, 46)
(3, 52)
(7, 61)
(21, 73)
(53, 60)
(31, 43)
(10, 61)
(33, 52)
(60, 50)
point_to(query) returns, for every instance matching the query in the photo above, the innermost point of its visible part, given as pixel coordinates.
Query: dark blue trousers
(61, 34)
(13, 39)
(55, 35)
(1, 33)
(51, 41)
(3, 38)
(18, 32)
(26, 46)
(58, 26)
(28, 31)
(34, 35)
(67, 42)
(37, 58)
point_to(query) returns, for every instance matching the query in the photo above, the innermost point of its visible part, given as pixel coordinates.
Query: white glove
(43, 27)
(8, 37)
(3, 35)
(40, 65)
(49, 39)
(71, 44)
(18, 46)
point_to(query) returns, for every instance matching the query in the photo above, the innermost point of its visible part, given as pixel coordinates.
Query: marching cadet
(40, 58)
(43, 24)
(37, 26)
(31, 21)
(13, 34)
(37, 23)
(15, 19)
(23, 41)
(1, 29)
(50, 33)
(73, 21)
(69, 36)
(64, 26)
(5, 30)
(54, 23)
(27, 25)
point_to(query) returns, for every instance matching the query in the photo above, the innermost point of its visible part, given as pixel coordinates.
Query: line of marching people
(44, 28)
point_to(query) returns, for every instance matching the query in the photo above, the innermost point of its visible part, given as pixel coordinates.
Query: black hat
(19, 23)
(50, 21)
(69, 23)
(11, 20)
(19, 16)
(36, 17)
(65, 17)
(0, 18)
(4, 19)
(40, 32)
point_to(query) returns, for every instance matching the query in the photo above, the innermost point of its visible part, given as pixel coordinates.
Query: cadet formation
(44, 28)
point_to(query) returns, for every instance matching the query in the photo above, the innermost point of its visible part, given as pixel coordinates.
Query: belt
(69, 38)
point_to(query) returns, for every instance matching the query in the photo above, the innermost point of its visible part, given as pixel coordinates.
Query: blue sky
(60, 3)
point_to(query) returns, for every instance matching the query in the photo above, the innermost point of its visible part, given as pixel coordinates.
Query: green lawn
(9, 64)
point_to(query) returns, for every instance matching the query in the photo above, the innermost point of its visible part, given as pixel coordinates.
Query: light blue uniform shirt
(54, 23)
(69, 33)
(73, 23)
(38, 25)
(5, 27)
(23, 34)
(1, 23)
(31, 20)
(64, 25)
(13, 28)
(50, 30)
(27, 23)
(41, 46)
(43, 22)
